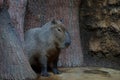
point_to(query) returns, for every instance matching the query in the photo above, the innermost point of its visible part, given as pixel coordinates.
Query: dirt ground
(85, 73)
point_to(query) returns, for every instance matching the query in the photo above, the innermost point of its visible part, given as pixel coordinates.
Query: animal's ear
(61, 20)
(53, 21)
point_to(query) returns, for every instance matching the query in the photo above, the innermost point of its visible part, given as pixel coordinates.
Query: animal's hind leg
(43, 61)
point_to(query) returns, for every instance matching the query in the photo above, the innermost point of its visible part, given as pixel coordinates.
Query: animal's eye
(59, 30)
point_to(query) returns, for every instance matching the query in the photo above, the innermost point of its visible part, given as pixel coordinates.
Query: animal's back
(35, 37)
(31, 33)
(30, 42)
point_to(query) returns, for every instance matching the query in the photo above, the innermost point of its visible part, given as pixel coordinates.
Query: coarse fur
(43, 45)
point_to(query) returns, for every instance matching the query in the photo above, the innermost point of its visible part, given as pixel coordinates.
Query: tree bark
(17, 10)
(41, 11)
(13, 63)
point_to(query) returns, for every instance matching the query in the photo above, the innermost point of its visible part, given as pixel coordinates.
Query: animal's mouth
(67, 44)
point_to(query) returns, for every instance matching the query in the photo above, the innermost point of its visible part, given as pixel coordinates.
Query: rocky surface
(100, 31)
(85, 73)
(102, 18)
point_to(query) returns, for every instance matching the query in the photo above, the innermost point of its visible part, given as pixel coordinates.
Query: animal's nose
(67, 44)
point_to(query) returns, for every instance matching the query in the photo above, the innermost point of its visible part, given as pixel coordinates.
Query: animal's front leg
(43, 61)
(54, 67)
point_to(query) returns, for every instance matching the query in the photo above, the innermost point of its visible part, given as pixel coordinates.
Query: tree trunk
(41, 11)
(13, 63)
(100, 29)
(17, 13)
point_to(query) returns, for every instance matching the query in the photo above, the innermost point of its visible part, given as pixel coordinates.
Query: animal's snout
(68, 39)
(67, 44)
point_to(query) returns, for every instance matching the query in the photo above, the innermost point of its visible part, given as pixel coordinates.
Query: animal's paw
(45, 74)
(55, 71)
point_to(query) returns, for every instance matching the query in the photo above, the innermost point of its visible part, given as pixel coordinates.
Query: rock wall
(100, 31)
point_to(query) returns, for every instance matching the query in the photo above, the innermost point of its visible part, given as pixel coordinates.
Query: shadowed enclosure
(94, 26)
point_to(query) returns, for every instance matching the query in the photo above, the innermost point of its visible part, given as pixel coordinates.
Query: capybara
(43, 45)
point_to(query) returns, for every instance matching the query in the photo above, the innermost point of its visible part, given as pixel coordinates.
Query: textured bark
(41, 11)
(17, 13)
(13, 63)
(1, 2)
(100, 27)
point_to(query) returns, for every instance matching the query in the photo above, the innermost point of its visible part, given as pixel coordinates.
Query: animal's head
(61, 35)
